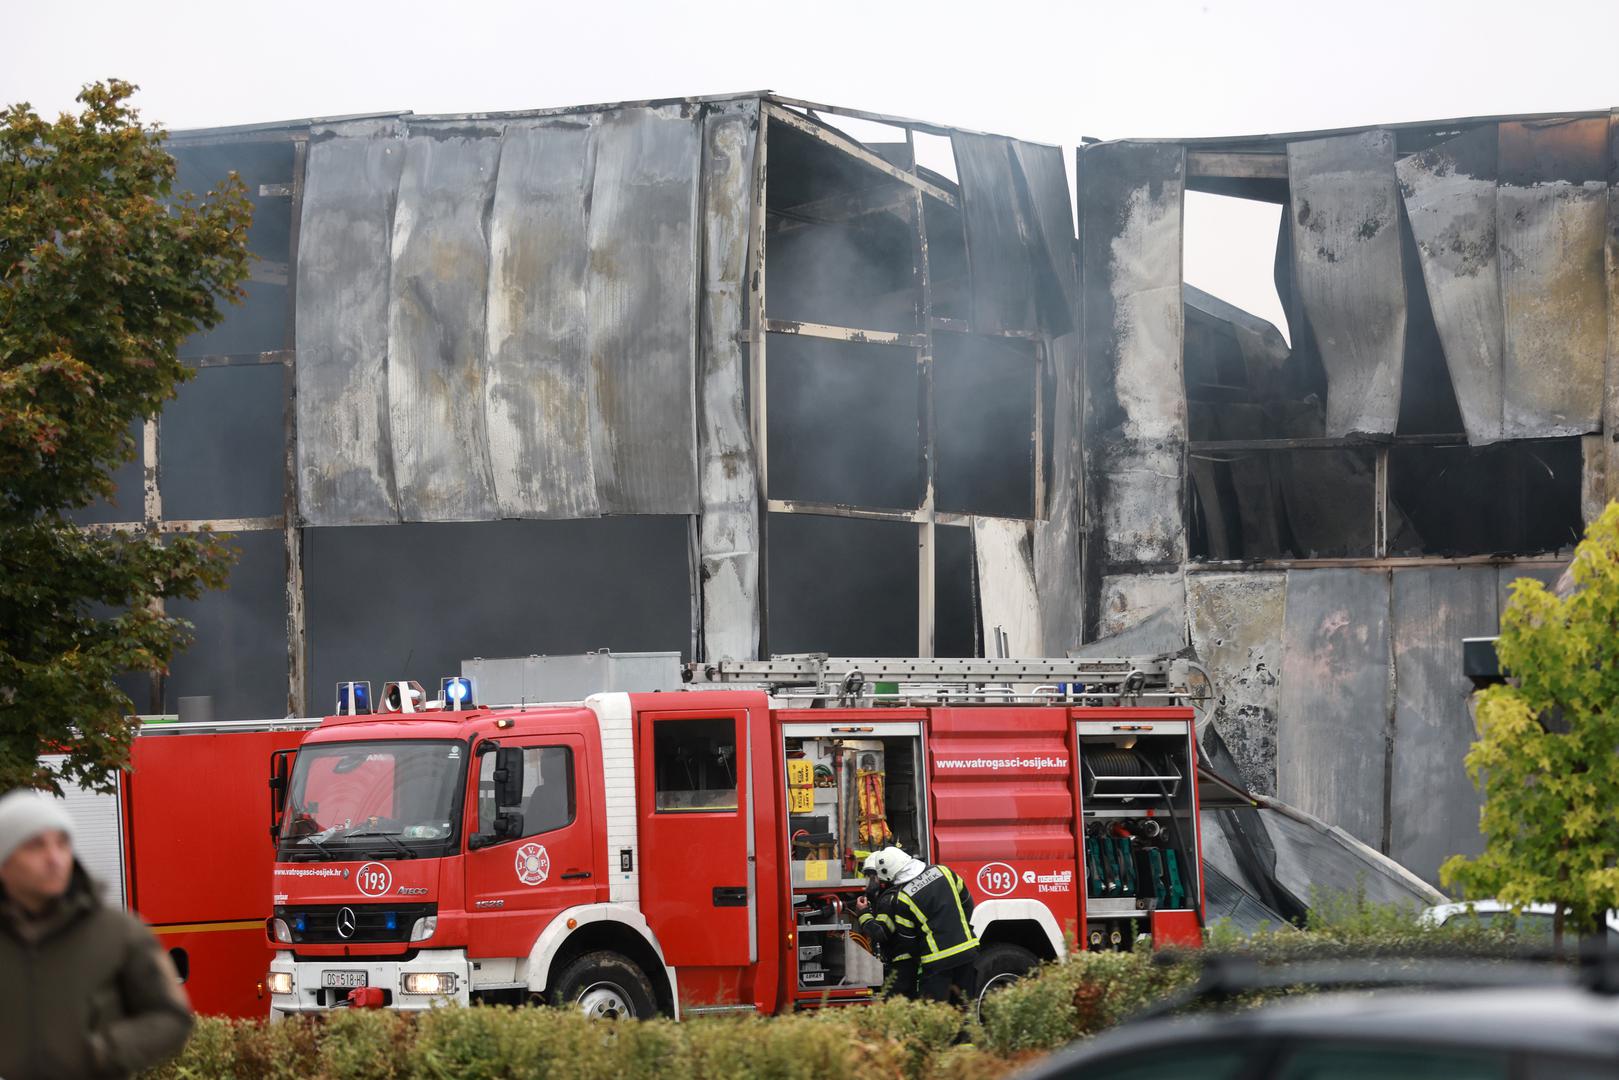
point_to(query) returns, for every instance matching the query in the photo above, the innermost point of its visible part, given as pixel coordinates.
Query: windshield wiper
(319, 846)
(404, 850)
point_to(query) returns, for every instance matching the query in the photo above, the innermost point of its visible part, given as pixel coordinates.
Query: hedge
(893, 1040)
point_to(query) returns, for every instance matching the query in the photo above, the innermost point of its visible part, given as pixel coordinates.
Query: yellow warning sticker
(800, 800)
(815, 870)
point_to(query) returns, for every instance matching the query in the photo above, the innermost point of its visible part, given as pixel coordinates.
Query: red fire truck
(183, 843)
(696, 850)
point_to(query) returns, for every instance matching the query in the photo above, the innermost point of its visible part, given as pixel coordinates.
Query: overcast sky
(1048, 72)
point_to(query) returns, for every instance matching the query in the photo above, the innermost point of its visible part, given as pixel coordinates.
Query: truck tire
(999, 966)
(605, 986)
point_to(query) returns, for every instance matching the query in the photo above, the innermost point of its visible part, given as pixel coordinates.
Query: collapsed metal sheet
(1058, 539)
(1236, 630)
(1551, 221)
(538, 406)
(1314, 858)
(641, 281)
(1450, 194)
(1433, 806)
(1008, 601)
(1135, 401)
(728, 537)
(1346, 263)
(345, 461)
(1002, 276)
(1332, 731)
(437, 333)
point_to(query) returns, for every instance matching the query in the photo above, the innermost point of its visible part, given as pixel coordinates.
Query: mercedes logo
(345, 922)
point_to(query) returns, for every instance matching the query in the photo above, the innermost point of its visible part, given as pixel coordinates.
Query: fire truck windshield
(388, 800)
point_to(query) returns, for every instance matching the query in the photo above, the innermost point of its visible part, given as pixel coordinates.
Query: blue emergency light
(456, 692)
(391, 920)
(353, 698)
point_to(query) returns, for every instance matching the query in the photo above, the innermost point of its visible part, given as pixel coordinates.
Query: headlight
(279, 982)
(279, 930)
(430, 982)
(424, 928)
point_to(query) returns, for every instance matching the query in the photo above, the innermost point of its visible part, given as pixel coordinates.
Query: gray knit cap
(24, 814)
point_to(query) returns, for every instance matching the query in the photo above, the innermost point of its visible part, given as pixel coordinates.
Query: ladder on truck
(1068, 680)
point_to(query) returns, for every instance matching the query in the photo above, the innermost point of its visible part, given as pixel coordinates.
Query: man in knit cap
(87, 990)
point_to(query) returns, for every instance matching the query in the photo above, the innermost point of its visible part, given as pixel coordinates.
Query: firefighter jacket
(890, 929)
(937, 901)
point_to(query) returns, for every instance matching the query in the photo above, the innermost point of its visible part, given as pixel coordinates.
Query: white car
(1533, 920)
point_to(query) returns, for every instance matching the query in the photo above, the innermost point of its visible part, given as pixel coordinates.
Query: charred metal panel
(223, 447)
(1332, 733)
(1433, 806)
(437, 328)
(727, 482)
(999, 232)
(1551, 219)
(1007, 596)
(1143, 613)
(641, 283)
(534, 586)
(345, 458)
(1610, 259)
(538, 408)
(1450, 196)
(1052, 245)
(841, 585)
(1058, 539)
(1346, 261)
(1507, 576)
(238, 651)
(1130, 197)
(1236, 629)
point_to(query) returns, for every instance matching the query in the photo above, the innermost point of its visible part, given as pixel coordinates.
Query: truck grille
(322, 924)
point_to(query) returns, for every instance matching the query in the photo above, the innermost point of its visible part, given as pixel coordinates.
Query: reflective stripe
(900, 920)
(922, 921)
(934, 954)
(970, 943)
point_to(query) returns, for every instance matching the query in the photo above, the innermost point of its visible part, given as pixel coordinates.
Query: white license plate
(345, 979)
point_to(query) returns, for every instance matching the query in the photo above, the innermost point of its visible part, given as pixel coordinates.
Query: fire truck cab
(698, 850)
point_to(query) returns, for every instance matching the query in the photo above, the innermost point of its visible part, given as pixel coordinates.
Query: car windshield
(388, 799)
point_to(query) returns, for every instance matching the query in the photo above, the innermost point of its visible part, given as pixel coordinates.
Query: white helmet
(870, 865)
(888, 862)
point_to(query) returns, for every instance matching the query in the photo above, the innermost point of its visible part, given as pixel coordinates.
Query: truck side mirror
(508, 826)
(280, 769)
(508, 777)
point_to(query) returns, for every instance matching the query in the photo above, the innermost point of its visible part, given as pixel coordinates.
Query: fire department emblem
(533, 864)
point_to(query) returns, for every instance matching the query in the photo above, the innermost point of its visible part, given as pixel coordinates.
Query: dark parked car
(1531, 1032)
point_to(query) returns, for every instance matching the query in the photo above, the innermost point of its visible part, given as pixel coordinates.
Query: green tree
(1547, 758)
(104, 270)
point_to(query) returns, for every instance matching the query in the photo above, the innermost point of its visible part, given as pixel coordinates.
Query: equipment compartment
(1140, 828)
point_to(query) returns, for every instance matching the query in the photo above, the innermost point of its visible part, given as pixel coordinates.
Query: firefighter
(936, 900)
(891, 930)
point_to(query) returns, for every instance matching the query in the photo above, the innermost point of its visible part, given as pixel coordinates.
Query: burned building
(716, 375)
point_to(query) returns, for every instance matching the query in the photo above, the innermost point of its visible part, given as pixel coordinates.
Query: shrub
(923, 1028)
(1079, 997)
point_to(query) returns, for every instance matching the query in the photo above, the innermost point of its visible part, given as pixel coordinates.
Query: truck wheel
(999, 966)
(605, 986)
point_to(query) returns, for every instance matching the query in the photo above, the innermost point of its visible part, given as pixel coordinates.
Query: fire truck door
(694, 788)
(515, 885)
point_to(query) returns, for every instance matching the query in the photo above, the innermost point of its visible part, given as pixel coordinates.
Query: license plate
(344, 979)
